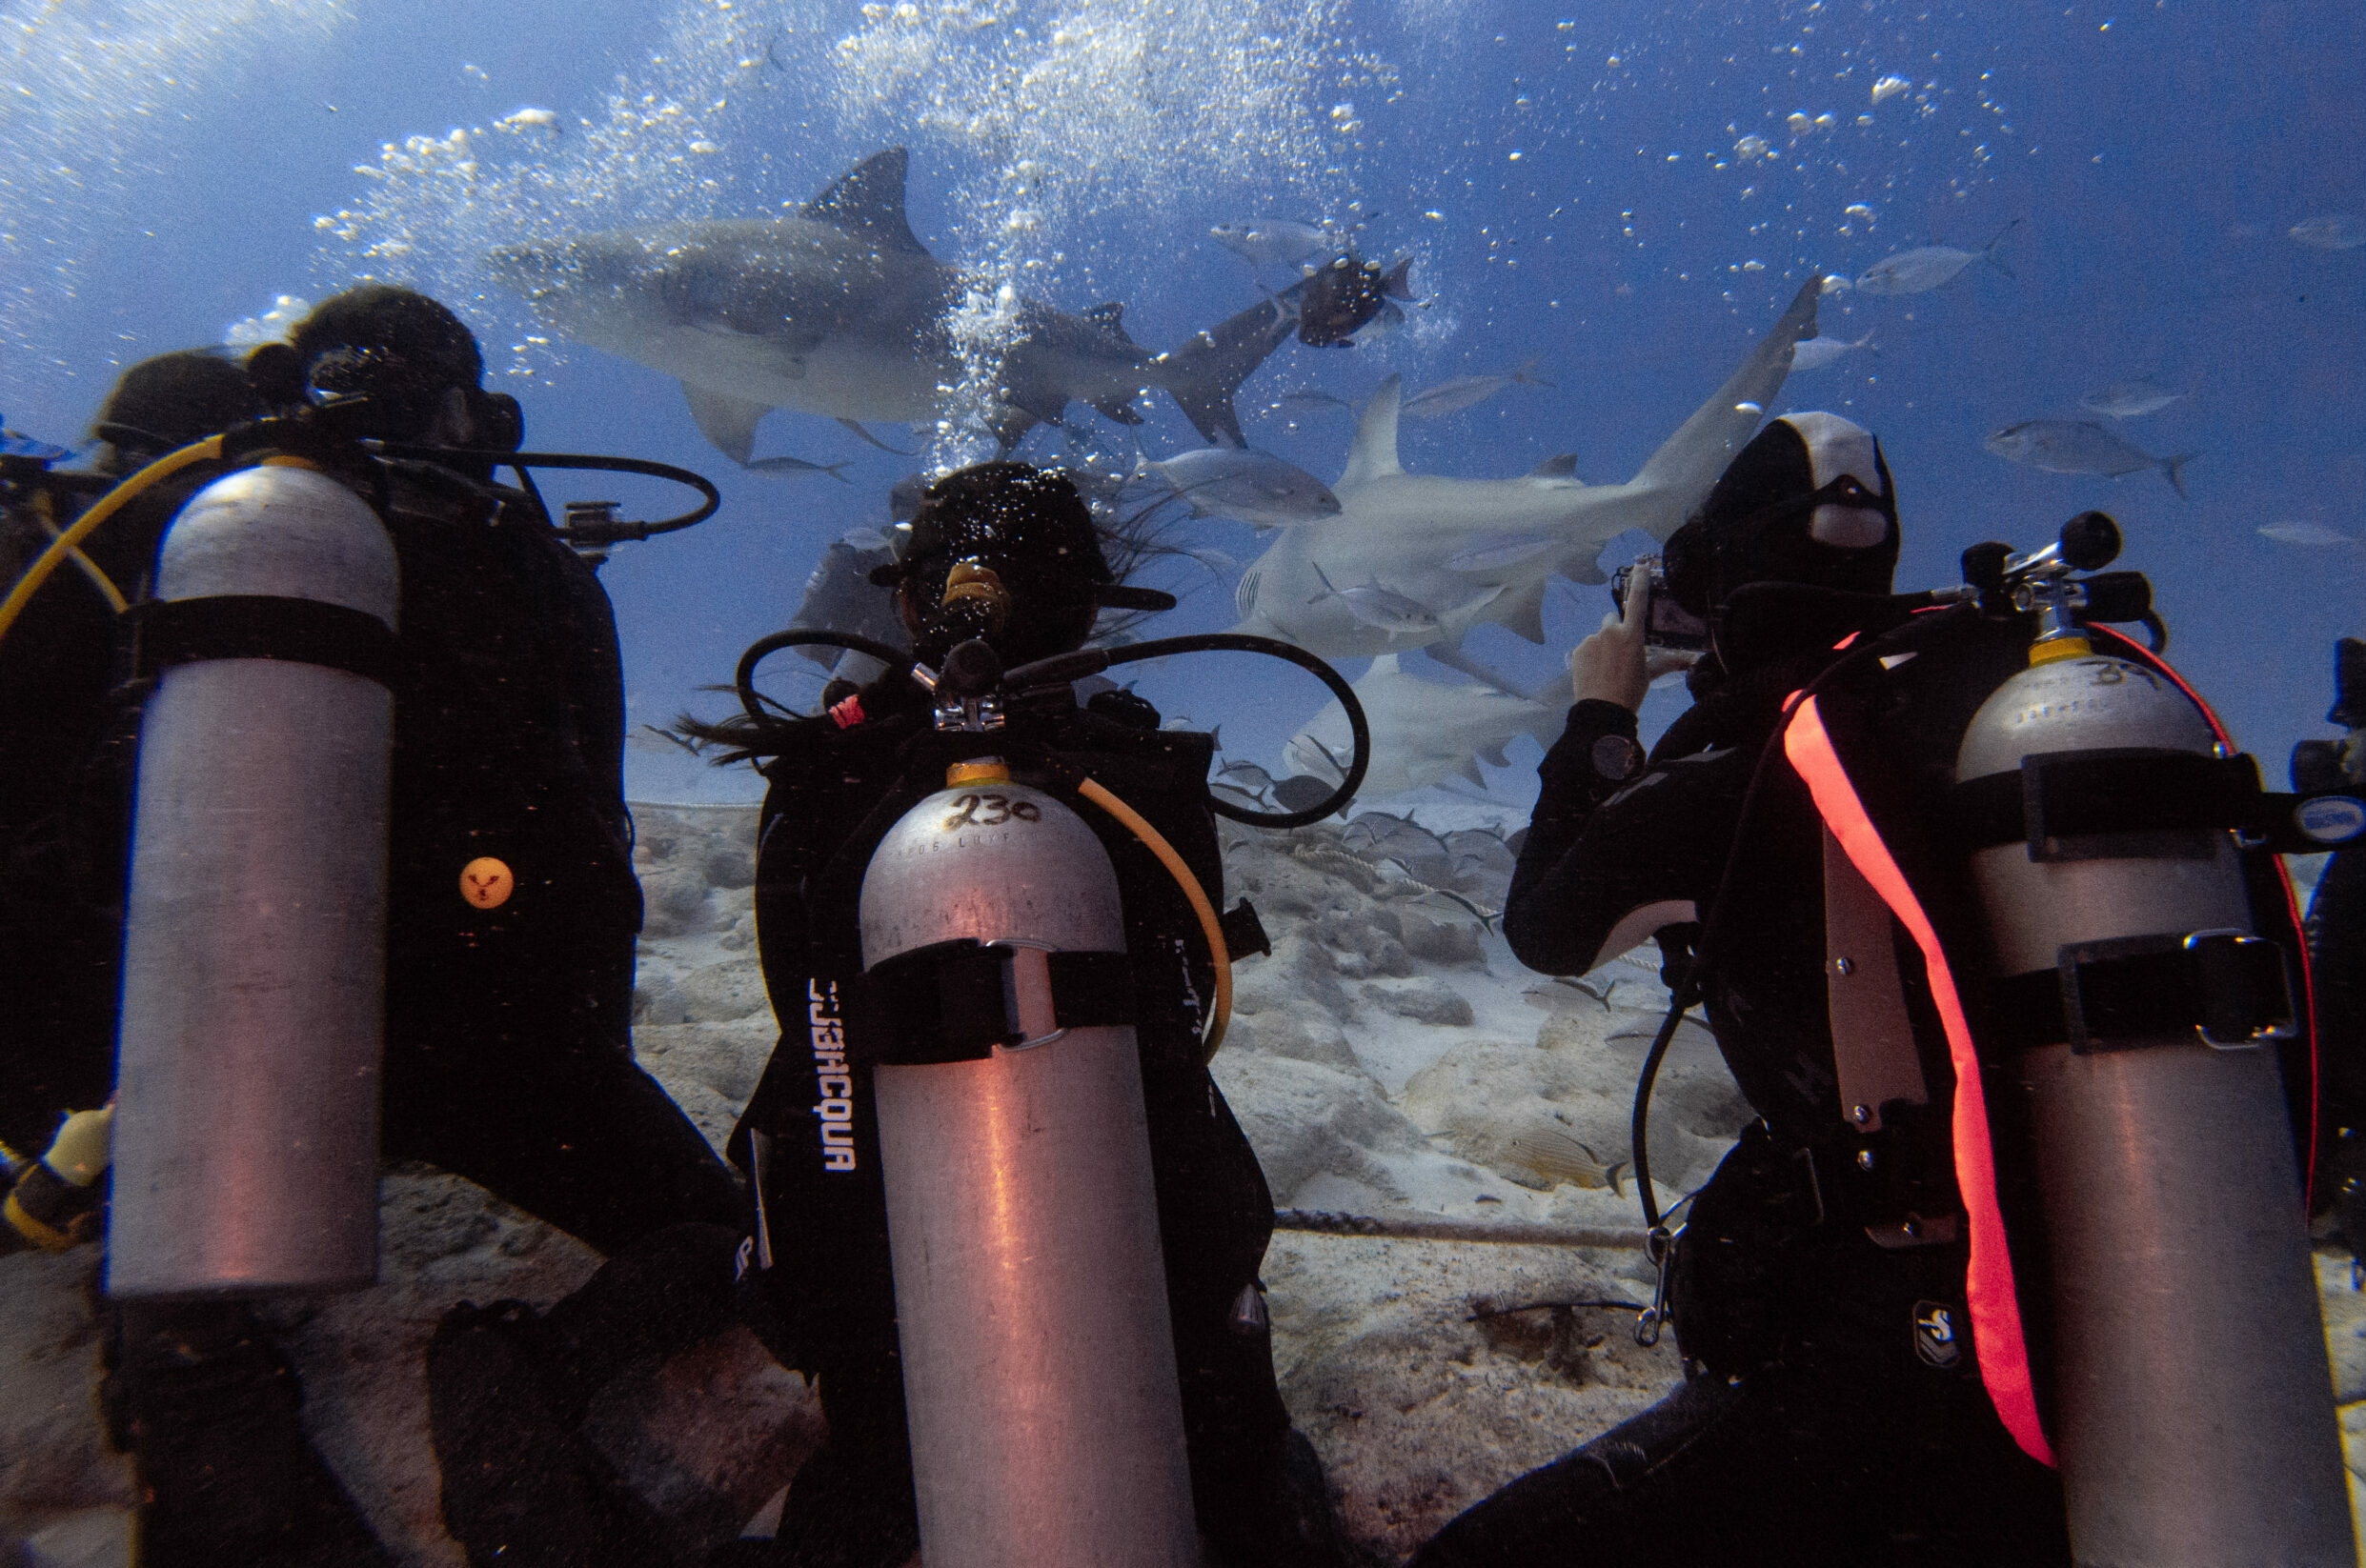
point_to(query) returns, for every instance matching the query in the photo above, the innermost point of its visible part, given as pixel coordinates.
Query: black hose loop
(744, 678)
(521, 461)
(1063, 668)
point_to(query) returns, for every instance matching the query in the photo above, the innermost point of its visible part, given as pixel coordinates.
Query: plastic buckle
(1659, 1245)
(2233, 990)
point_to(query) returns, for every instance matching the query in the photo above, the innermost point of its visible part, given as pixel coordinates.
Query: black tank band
(2220, 988)
(263, 625)
(956, 1001)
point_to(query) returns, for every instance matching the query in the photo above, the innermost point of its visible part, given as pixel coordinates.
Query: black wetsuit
(1811, 1428)
(827, 1305)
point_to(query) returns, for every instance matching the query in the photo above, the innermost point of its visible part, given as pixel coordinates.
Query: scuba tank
(247, 1077)
(2191, 1405)
(1020, 1217)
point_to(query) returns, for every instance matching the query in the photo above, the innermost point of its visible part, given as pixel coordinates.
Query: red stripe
(1988, 1281)
(2291, 908)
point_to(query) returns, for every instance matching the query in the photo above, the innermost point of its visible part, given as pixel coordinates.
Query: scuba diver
(2336, 933)
(1009, 555)
(507, 1052)
(62, 810)
(1821, 1410)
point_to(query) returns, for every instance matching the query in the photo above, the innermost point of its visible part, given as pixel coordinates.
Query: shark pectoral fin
(1493, 755)
(1468, 768)
(868, 200)
(1204, 372)
(1521, 611)
(727, 421)
(1374, 454)
(1010, 423)
(1120, 409)
(1586, 572)
(856, 425)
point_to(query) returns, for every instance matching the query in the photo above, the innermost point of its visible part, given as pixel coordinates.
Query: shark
(1465, 553)
(841, 311)
(1425, 731)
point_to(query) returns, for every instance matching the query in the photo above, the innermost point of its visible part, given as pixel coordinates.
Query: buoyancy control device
(1039, 1368)
(252, 1020)
(2084, 907)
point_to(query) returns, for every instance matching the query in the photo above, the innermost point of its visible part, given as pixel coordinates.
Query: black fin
(1120, 409)
(868, 200)
(1398, 284)
(1110, 318)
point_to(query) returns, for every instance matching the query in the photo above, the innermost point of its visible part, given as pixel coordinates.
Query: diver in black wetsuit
(1831, 1411)
(1031, 580)
(507, 1057)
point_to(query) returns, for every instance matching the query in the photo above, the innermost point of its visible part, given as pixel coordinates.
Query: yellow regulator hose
(1155, 841)
(104, 507)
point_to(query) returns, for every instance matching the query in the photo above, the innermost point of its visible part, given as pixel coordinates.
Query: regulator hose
(104, 506)
(524, 461)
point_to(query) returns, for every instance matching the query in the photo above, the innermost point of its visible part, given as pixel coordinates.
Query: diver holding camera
(1931, 861)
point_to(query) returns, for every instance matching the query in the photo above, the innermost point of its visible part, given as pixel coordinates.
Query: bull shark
(841, 311)
(1423, 730)
(1469, 551)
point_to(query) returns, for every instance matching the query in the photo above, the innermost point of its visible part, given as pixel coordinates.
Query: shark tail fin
(1526, 376)
(838, 470)
(2173, 469)
(1203, 375)
(1399, 283)
(1987, 251)
(1688, 462)
(1866, 342)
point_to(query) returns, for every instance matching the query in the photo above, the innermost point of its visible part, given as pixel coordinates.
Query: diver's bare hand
(1611, 665)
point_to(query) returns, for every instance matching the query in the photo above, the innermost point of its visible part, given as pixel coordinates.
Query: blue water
(1568, 184)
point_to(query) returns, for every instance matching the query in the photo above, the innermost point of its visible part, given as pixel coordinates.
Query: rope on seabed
(1418, 1227)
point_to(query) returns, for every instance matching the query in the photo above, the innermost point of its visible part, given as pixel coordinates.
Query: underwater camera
(1669, 624)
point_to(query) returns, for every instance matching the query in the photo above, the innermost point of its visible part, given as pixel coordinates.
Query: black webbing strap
(2219, 987)
(263, 625)
(956, 1001)
(2109, 804)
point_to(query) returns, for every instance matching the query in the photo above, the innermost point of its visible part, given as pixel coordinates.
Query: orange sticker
(487, 882)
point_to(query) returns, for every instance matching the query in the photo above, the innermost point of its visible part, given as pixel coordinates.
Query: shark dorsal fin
(1374, 456)
(868, 200)
(1562, 467)
(1110, 318)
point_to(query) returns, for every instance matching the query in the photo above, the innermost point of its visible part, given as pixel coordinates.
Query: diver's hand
(1612, 665)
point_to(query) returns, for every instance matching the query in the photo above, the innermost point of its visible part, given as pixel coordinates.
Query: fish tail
(838, 472)
(2174, 470)
(1526, 376)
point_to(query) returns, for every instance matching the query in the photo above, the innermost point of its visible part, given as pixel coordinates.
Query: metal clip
(1660, 1246)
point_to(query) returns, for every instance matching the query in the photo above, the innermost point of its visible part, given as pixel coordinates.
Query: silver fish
(1497, 550)
(2131, 399)
(1383, 608)
(1312, 399)
(1269, 242)
(2316, 535)
(794, 468)
(1815, 353)
(1914, 272)
(1247, 775)
(1242, 482)
(2333, 232)
(1466, 391)
(2081, 445)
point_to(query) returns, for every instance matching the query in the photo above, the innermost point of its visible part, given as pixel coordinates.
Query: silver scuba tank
(254, 978)
(1038, 1369)
(2192, 1409)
